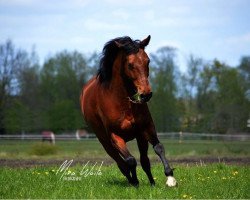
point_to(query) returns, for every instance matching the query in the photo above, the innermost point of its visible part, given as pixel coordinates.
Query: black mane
(109, 53)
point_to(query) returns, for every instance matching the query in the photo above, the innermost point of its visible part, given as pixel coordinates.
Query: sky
(205, 28)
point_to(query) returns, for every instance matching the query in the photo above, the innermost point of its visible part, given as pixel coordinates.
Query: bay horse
(114, 104)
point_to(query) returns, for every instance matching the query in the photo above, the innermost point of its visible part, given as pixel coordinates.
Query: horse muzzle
(146, 97)
(141, 98)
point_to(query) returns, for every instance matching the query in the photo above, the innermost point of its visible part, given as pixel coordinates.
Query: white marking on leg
(171, 182)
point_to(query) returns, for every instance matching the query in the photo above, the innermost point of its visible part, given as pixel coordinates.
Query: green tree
(93, 64)
(17, 118)
(244, 71)
(62, 78)
(206, 99)
(12, 61)
(231, 102)
(163, 78)
(189, 90)
(64, 116)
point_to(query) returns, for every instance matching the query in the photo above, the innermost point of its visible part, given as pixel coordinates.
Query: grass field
(195, 181)
(215, 181)
(93, 149)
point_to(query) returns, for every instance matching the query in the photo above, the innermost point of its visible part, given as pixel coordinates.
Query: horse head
(135, 71)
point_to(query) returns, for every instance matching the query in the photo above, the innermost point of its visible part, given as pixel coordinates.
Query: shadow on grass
(118, 182)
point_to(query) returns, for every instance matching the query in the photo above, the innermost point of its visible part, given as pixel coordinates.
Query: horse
(48, 136)
(114, 104)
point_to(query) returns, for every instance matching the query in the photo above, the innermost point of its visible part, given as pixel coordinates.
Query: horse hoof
(135, 184)
(152, 184)
(171, 182)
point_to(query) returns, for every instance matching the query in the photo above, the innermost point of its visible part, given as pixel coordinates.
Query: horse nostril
(146, 97)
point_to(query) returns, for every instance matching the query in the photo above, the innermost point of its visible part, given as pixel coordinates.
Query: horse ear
(145, 42)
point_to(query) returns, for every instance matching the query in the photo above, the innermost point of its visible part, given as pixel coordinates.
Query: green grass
(214, 181)
(42, 149)
(93, 149)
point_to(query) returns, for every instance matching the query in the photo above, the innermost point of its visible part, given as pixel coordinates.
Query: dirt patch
(25, 163)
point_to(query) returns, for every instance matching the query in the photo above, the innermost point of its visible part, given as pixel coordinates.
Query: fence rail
(172, 135)
(204, 136)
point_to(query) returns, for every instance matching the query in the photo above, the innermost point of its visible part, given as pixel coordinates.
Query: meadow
(195, 180)
(214, 181)
(85, 149)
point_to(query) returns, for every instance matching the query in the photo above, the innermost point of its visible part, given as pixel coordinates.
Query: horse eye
(130, 66)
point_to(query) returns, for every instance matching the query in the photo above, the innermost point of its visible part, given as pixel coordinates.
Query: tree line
(209, 97)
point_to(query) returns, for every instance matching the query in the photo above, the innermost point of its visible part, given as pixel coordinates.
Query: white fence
(204, 136)
(173, 135)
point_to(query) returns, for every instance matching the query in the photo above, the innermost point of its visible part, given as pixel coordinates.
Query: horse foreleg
(160, 151)
(121, 146)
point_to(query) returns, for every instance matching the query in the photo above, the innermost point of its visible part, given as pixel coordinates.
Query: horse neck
(117, 86)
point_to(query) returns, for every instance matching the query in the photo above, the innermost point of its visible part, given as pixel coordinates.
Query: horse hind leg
(120, 145)
(122, 164)
(131, 162)
(145, 163)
